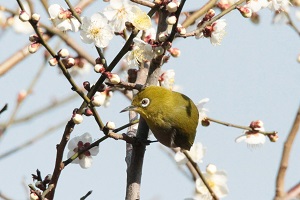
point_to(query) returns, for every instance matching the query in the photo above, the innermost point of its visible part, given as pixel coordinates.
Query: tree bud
(171, 20)
(88, 112)
(98, 68)
(211, 169)
(87, 85)
(172, 7)
(181, 30)
(24, 17)
(70, 62)
(110, 125)
(98, 99)
(114, 79)
(162, 37)
(34, 196)
(77, 118)
(159, 50)
(33, 47)
(35, 17)
(63, 53)
(245, 11)
(53, 61)
(273, 137)
(175, 52)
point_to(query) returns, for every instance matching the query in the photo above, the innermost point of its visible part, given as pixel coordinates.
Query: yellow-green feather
(171, 116)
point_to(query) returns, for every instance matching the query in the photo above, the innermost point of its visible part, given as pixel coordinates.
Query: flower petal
(86, 162)
(180, 158)
(94, 151)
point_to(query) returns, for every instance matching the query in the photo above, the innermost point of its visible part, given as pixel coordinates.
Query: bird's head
(148, 100)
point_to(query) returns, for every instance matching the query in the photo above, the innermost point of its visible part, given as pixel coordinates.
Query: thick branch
(59, 156)
(280, 193)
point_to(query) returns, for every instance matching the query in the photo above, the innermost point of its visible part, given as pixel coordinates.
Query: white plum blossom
(119, 12)
(78, 143)
(95, 29)
(218, 32)
(102, 98)
(196, 152)
(253, 138)
(167, 79)
(142, 51)
(215, 32)
(257, 5)
(217, 181)
(202, 111)
(140, 20)
(63, 19)
(279, 5)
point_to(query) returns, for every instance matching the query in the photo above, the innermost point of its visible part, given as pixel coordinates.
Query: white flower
(96, 29)
(22, 27)
(63, 19)
(119, 12)
(279, 5)
(253, 138)
(257, 5)
(102, 98)
(197, 152)
(218, 32)
(78, 143)
(99, 98)
(216, 180)
(202, 111)
(167, 79)
(142, 51)
(140, 20)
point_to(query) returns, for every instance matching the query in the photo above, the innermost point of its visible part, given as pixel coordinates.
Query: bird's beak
(129, 108)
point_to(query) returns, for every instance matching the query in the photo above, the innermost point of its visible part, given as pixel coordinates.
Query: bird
(171, 116)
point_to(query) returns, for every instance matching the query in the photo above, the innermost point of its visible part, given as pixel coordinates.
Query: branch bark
(280, 193)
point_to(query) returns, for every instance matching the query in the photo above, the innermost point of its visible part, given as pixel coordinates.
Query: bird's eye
(145, 102)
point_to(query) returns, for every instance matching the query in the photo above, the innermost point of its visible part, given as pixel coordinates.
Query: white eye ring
(145, 102)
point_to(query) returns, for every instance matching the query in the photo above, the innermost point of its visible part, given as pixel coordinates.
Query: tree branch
(280, 193)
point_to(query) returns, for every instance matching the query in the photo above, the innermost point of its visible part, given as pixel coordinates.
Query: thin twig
(4, 197)
(144, 3)
(74, 13)
(19, 102)
(59, 156)
(200, 174)
(291, 23)
(188, 164)
(97, 142)
(127, 86)
(280, 192)
(294, 192)
(224, 12)
(32, 140)
(45, 109)
(86, 195)
(238, 126)
(191, 19)
(4, 108)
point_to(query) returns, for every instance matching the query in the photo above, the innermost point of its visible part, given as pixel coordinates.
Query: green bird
(171, 116)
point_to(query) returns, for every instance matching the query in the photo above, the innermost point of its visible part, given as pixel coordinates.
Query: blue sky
(252, 75)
